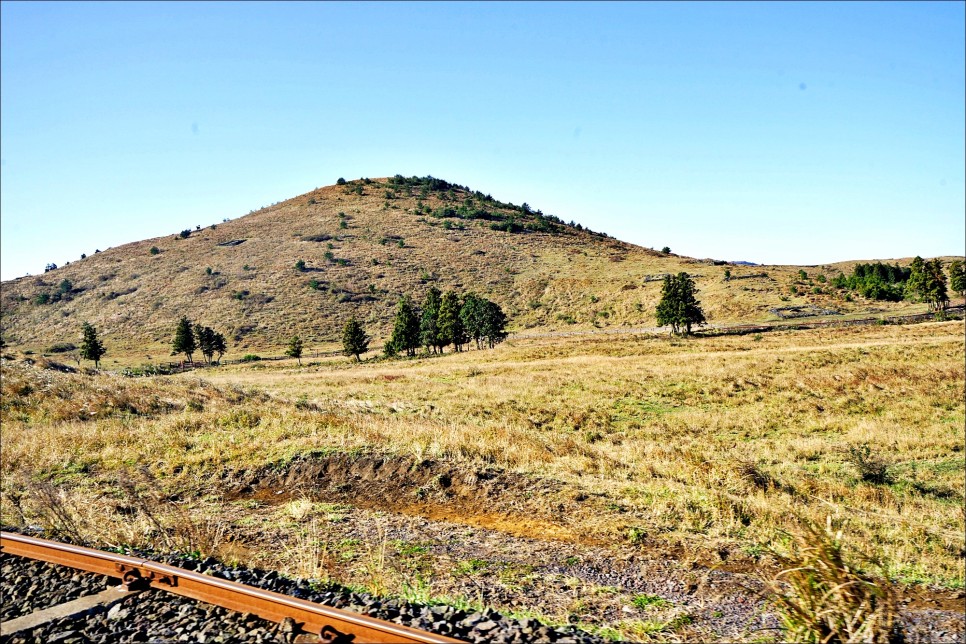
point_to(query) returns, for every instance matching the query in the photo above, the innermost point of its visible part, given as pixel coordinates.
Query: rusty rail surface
(332, 625)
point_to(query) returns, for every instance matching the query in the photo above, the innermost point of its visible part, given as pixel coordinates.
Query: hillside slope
(364, 244)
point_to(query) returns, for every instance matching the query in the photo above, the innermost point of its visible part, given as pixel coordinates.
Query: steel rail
(332, 625)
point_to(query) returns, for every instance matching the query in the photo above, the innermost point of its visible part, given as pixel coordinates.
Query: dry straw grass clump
(822, 598)
(130, 510)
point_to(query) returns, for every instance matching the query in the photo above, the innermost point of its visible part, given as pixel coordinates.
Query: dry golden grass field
(705, 452)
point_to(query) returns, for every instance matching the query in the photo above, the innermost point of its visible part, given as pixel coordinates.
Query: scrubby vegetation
(921, 280)
(464, 203)
(876, 281)
(823, 597)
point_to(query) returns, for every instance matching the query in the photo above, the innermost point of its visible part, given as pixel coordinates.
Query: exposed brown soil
(488, 498)
(517, 506)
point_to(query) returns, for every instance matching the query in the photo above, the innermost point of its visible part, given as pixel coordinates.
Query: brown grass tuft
(822, 598)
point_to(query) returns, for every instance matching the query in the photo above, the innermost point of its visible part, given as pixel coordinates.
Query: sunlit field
(708, 450)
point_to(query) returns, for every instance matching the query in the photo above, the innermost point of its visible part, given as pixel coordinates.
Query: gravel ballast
(155, 616)
(158, 616)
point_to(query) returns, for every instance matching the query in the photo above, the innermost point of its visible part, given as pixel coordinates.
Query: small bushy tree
(294, 349)
(355, 342)
(91, 347)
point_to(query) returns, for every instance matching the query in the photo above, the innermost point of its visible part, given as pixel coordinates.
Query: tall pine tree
(473, 314)
(429, 325)
(405, 329)
(928, 282)
(494, 323)
(91, 347)
(219, 345)
(205, 340)
(679, 307)
(957, 277)
(450, 324)
(184, 339)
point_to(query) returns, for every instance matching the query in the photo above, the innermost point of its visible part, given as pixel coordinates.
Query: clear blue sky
(774, 133)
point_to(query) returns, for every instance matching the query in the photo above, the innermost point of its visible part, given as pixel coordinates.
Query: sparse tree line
(189, 338)
(474, 206)
(450, 319)
(455, 319)
(443, 320)
(355, 342)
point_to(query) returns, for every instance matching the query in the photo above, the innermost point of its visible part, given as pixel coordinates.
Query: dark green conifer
(91, 347)
(184, 339)
(429, 325)
(678, 306)
(405, 330)
(294, 349)
(355, 342)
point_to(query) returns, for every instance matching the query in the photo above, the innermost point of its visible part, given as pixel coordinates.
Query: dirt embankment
(524, 509)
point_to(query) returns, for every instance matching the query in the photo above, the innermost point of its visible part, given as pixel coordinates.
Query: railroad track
(305, 621)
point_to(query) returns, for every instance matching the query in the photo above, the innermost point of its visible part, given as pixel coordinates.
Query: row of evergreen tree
(928, 281)
(444, 320)
(189, 338)
(924, 280)
(876, 281)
